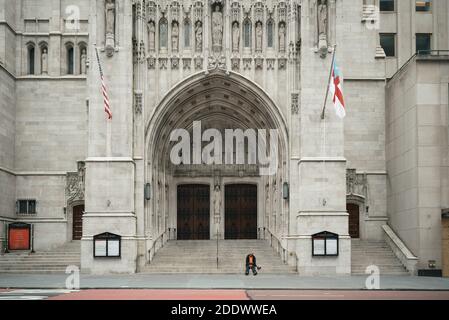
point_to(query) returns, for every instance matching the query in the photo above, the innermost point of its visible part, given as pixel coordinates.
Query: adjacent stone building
(380, 174)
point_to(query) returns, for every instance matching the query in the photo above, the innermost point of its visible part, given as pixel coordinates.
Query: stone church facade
(381, 173)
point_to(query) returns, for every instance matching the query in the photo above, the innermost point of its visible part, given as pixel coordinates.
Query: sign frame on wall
(325, 244)
(15, 227)
(107, 245)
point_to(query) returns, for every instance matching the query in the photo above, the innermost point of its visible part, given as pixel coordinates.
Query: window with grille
(26, 207)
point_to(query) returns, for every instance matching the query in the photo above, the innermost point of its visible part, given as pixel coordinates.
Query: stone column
(110, 167)
(320, 181)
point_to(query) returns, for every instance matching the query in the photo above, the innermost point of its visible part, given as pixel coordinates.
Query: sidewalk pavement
(202, 281)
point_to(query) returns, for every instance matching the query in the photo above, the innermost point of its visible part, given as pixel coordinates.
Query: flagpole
(323, 113)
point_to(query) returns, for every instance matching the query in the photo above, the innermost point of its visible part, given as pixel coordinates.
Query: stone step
(378, 253)
(199, 257)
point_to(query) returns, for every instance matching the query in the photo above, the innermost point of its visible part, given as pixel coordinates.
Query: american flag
(104, 89)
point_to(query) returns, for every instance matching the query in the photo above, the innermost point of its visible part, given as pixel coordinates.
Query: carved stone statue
(282, 37)
(217, 29)
(259, 36)
(175, 37)
(217, 200)
(110, 27)
(151, 36)
(83, 61)
(322, 27)
(44, 61)
(235, 37)
(110, 16)
(199, 36)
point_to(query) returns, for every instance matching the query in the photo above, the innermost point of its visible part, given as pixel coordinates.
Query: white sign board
(100, 248)
(113, 248)
(318, 247)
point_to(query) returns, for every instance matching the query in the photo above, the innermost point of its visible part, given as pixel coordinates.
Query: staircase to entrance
(365, 253)
(200, 257)
(42, 262)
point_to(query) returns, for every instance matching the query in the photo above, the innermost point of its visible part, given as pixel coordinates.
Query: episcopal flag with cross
(336, 90)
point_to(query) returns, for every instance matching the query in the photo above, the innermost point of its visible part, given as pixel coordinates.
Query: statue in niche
(175, 37)
(235, 37)
(282, 37)
(44, 61)
(83, 61)
(199, 36)
(217, 200)
(110, 27)
(259, 36)
(151, 36)
(322, 27)
(217, 29)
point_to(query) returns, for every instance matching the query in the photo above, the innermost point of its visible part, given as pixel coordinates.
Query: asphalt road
(227, 295)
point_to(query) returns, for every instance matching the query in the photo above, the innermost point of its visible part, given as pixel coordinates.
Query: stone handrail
(408, 259)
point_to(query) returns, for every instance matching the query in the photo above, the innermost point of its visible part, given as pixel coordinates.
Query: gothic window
(247, 33)
(30, 59)
(163, 33)
(70, 59)
(270, 33)
(187, 33)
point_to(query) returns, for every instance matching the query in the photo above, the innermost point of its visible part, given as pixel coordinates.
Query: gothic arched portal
(218, 101)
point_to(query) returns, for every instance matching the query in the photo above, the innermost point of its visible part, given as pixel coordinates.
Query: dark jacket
(254, 260)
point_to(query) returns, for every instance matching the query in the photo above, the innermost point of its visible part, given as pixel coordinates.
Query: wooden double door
(240, 212)
(193, 212)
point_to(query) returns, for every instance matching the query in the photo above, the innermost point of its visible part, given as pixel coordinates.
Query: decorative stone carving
(83, 61)
(187, 63)
(151, 27)
(258, 11)
(356, 184)
(271, 64)
(282, 11)
(217, 29)
(174, 63)
(175, 36)
(163, 63)
(235, 11)
(198, 11)
(138, 102)
(175, 10)
(198, 36)
(258, 63)
(110, 9)
(217, 62)
(235, 63)
(235, 37)
(322, 27)
(259, 36)
(142, 52)
(282, 63)
(295, 103)
(152, 8)
(151, 63)
(44, 61)
(247, 63)
(282, 39)
(198, 63)
(75, 184)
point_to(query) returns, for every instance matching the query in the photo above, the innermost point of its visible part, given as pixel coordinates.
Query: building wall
(7, 136)
(416, 155)
(405, 22)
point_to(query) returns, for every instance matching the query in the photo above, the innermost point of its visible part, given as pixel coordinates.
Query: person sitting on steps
(251, 264)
